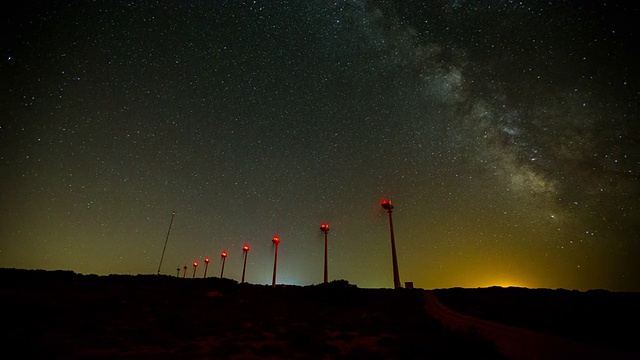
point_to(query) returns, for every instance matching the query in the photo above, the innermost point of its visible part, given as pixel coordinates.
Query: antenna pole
(166, 240)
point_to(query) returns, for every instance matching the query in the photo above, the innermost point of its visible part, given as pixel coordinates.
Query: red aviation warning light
(386, 204)
(324, 227)
(276, 239)
(245, 247)
(224, 254)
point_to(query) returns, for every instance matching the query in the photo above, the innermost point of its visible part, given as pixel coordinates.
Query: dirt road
(518, 343)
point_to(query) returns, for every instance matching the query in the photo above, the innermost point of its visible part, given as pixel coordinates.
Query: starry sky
(506, 133)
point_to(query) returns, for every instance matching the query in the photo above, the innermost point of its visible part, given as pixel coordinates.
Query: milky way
(506, 134)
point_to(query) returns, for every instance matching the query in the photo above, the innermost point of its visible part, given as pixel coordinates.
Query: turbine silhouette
(275, 241)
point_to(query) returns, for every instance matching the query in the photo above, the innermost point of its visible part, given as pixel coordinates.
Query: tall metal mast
(166, 240)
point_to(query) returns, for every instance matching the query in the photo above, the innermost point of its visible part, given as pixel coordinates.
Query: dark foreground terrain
(598, 317)
(63, 315)
(532, 324)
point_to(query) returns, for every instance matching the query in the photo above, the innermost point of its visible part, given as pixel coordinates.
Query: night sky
(506, 134)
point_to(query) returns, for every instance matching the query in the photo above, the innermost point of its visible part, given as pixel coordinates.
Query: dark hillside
(60, 314)
(599, 317)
